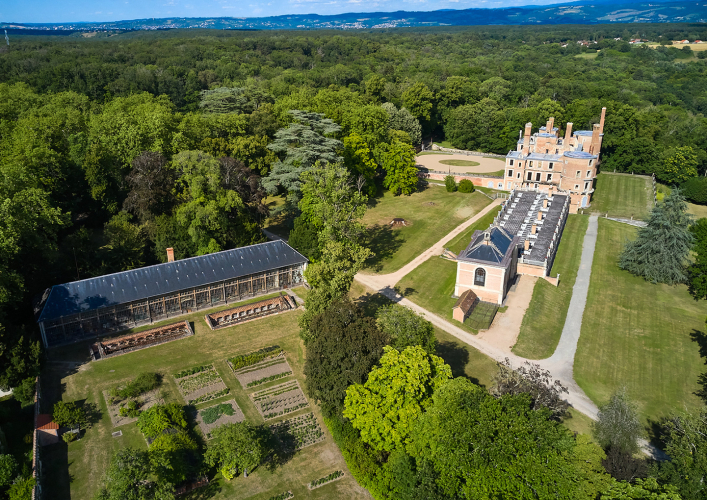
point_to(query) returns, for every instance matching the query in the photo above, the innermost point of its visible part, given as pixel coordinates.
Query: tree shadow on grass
(457, 357)
(383, 242)
(371, 302)
(701, 339)
(282, 446)
(209, 491)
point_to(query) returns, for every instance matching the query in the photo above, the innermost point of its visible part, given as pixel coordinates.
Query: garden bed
(141, 340)
(144, 401)
(325, 480)
(200, 384)
(264, 371)
(217, 415)
(279, 400)
(283, 496)
(298, 432)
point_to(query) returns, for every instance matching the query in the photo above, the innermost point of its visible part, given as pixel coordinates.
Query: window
(530, 164)
(519, 175)
(589, 173)
(510, 163)
(480, 277)
(576, 186)
(549, 177)
(547, 151)
(579, 174)
(590, 162)
(530, 176)
(509, 185)
(510, 173)
(557, 151)
(586, 186)
(549, 165)
(537, 176)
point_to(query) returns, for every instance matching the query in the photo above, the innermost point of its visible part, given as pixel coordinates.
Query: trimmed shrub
(466, 186)
(695, 190)
(450, 183)
(254, 357)
(144, 382)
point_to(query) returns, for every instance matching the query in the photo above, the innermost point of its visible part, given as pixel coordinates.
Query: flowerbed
(298, 432)
(283, 496)
(217, 415)
(244, 360)
(326, 479)
(264, 371)
(200, 384)
(279, 400)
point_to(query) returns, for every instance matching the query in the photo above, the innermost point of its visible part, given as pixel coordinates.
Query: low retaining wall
(248, 312)
(477, 179)
(140, 340)
(435, 147)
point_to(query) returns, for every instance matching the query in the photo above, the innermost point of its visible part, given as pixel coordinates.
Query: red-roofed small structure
(47, 429)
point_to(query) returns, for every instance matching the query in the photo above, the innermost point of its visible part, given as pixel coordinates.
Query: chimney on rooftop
(170, 255)
(527, 245)
(534, 229)
(540, 216)
(544, 203)
(568, 133)
(596, 140)
(550, 124)
(601, 121)
(526, 138)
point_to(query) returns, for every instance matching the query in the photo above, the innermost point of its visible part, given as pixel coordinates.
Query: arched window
(480, 277)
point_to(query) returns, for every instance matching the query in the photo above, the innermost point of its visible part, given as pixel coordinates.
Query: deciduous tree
(406, 328)
(343, 348)
(394, 396)
(400, 171)
(236, 448)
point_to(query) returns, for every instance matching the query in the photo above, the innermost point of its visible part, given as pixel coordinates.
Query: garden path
(486, 165)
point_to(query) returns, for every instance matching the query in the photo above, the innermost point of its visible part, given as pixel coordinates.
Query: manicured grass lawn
(76, 471)
(622, 196)
(432, 213)
(464, 238)
(423, 153)
(496, 158)
(543, 321)
(637, 334)
(460, 163)
(699, 211)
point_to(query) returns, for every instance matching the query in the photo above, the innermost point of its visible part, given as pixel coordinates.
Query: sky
(61, 11)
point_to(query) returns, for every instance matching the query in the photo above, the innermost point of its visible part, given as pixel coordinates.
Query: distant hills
(583, 12)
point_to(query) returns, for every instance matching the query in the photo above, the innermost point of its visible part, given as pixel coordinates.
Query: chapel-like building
(546, 162)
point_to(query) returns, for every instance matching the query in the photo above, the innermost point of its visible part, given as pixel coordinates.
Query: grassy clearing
(699, 211)
(495, 158)
(639, 335)
(75, 471)
(430, 214)
(445, 144)
(424, 153)
(543, 321)
(622, 195)
(498, 173)
(464, 238)
(460, 163)
(588, 55)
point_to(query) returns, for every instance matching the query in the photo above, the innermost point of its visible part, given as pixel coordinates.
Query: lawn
(543, 321)
(75, 471)
(622, 195)
(460, 163)
(433, 153)
(495, 158)
(464, 238)
(430, 214)
(638, 335)
(699, 211)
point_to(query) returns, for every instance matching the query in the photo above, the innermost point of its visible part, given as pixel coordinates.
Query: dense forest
(112, 149)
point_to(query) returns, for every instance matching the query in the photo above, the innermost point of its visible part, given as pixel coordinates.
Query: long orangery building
(108, 304)
(548, 163)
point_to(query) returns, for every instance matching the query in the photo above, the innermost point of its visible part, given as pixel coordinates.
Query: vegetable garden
(200, 384)
(279, 400)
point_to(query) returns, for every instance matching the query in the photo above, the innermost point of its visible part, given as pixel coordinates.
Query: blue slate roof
(493, 253)
(171, 277)
(582, 132)
(583, 155)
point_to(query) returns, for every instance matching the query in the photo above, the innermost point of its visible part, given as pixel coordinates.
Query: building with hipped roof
(545, 161)
(105, 305)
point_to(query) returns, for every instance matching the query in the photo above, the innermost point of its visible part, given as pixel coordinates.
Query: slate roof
(582, 132)
(495, 252)
(171, 277)
(583, 155)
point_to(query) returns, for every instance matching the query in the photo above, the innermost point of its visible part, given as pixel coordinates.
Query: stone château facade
(546, 162)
